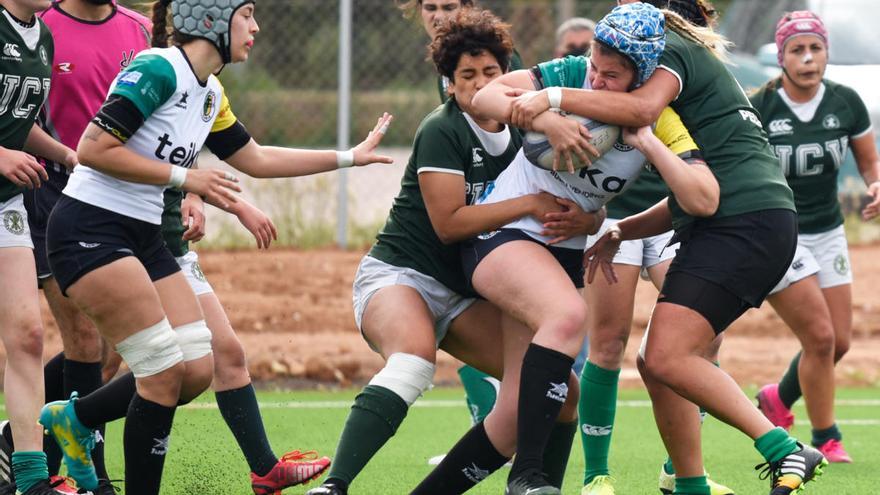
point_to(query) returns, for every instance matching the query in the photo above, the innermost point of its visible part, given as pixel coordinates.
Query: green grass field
(204, 458)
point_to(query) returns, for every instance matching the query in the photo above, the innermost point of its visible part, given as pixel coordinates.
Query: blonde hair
(714, 42)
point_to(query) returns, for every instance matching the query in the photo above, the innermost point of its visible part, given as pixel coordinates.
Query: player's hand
(601, 255)
(70, 159)
(216, 186)
(873, 208)
(21, 169)
(526, 106)
(365, 152)
(637, 136)
(192, 212)
(259, 224)
(572, 222)
(567, 138)
(544, 203)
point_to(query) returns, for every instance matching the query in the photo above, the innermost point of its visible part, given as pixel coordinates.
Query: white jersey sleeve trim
(677, 76)
(442, 170)
(863, 133)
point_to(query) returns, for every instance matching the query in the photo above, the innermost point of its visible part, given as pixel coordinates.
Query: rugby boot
(75, 440)
(327, 489)
(667, 484)
(5, 457)
(62, 484)
(41, 488)
(531, 482)
(600, 485)
(833, 451)
(294, 468)
(791, 473)
(771, 405)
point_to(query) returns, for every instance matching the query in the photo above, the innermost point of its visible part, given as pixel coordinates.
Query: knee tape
(194, 340)
(406, 375)
(151, 351)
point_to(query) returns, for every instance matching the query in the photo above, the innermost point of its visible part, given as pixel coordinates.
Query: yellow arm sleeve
(672, 132)
(225, 119)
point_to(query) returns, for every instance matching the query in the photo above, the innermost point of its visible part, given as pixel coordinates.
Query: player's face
(435, 11)
(625, 2)
(244, 28)
(472, 74)
(609, 72)
(574, 42)
(805, 58)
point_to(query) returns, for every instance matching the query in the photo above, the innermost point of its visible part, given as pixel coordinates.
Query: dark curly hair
(472, 31)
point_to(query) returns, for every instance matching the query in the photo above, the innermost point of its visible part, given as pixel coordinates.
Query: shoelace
(296, 455)
(767, 469)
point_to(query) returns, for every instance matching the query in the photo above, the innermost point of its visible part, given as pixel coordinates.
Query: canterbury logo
(596, 431)
(11, 50)
(780, 126)
(558, 391)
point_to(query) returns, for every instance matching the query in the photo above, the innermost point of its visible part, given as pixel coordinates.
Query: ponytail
(714, 42)
(160, 23)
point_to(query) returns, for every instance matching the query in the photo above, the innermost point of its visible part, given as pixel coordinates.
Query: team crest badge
(831, 122)
(44, 57)
(14, 222)
(208, 107)
(197, 272)
(841, 266)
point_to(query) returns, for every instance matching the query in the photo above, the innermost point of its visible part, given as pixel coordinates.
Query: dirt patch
(292, 310)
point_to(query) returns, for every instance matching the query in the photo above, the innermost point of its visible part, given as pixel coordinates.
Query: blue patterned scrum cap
(637, 31)
(209, 19)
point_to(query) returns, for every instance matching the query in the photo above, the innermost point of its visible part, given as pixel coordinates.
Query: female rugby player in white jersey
(104, 238)
(545, 298)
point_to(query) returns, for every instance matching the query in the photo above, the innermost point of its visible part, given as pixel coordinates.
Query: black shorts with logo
(39, 203)
(474, 250)
(727, 265)
(82, 238)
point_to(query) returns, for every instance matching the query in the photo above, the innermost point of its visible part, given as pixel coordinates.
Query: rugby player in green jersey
(726, 264)
(410, 294)
(26, 68)
(480, 389)
(811, 122)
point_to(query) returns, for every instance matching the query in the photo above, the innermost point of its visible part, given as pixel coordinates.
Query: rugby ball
(538, 151)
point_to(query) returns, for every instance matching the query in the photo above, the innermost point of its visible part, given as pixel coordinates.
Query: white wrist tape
(152, 350)
(554, 94)
(178, 177)
(344, 159)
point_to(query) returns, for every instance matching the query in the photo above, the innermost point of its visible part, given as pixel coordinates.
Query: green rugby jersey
(644, 193)
(26, 70)
(728, 131)
(443, 81)
(445, 142)
(811, 152)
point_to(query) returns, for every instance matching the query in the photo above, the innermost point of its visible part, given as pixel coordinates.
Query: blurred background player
(811, 123)
(573, 37)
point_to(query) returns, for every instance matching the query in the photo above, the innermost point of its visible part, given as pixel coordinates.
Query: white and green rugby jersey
(179, 112)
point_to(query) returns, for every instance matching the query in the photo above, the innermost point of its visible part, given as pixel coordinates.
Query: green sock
(790, 385)
(29, 468)
(557, 452)
(692, 486)
(596, 410)
(481, 392)
(822, 436)
(374, 418)
(775, 444)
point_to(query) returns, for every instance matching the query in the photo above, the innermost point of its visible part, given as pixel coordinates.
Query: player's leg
(22, 335)
(545, 298)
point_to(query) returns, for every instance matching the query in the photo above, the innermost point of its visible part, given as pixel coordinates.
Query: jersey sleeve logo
(130, 78)
(209, 106)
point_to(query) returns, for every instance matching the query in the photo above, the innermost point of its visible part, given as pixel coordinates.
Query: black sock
(146, 436)
(830, 433)
(242, 415)
(106, 404)
(469, 461)
(543, 388)
(85, 378)
(790, 385)
(53, 381)
(558, 451)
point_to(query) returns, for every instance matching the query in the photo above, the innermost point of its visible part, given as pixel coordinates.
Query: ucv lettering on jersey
(16, 94)
(184, 157)
(809, 158)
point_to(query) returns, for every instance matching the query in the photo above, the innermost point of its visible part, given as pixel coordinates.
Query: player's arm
(494, 100)
(454, 221)
(673, 152)
(40, 143)
(865, 152)
(653, 221)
